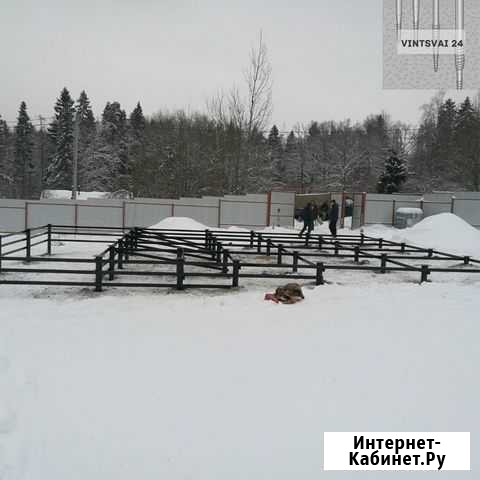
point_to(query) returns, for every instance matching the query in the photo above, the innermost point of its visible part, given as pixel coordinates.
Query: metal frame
(219, 255)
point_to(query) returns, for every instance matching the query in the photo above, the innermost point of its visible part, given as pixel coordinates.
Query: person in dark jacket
(324, 211)
(333, 218)
(308, 219)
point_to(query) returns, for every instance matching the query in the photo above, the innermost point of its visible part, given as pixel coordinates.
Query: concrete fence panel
(97, 215)
(205, 214)
(469, 210)
(434, 208)
(43, 213)
(146, 214)
(243, 214)
(12, 215)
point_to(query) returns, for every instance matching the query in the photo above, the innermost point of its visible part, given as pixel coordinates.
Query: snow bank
(445, 232)
(179, 223)
(200, 387)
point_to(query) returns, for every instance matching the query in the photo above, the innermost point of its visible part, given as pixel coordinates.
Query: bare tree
(259, 81)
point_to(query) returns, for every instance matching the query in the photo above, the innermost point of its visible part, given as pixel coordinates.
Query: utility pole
(75, 156)
(42, 152)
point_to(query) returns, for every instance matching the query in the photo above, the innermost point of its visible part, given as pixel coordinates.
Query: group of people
(311, 212)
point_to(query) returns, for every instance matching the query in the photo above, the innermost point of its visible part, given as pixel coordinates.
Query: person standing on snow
(308, 219)
(333, 218)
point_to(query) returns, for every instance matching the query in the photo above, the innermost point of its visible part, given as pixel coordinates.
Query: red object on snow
(271, 297)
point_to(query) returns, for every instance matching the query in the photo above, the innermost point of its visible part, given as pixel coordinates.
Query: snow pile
(445, 232)
(179, 223)
(67, 194)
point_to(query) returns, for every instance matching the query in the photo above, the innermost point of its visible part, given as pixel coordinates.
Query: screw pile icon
(459, 29)
(460, 51)
(436, 32)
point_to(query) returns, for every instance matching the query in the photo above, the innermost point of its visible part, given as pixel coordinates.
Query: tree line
(228, 151)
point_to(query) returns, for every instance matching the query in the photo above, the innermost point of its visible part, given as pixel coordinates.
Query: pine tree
(23, 153)
(59, 171)
(6, 163)
(277, 160)
(137, 149)
(86, 133)
(444, 148)
(292, 161)
(467, 140)
(112, 150)
(393, 176)
(137, 122)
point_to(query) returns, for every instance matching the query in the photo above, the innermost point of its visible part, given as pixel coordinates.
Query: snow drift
(179, 223)
(445, 232)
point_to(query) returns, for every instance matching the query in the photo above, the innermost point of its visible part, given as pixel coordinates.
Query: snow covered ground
(177, 385)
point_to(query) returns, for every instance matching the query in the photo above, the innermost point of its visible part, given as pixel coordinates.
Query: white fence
(253, 211)
(371, 208)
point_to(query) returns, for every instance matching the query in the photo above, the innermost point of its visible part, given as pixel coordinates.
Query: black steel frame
(216, 255)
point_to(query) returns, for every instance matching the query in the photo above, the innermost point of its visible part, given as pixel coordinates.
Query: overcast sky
(168, 54)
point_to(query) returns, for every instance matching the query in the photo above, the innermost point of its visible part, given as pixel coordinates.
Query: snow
(179, 223)
(212, 385)
(186, 386)
(67, 194)
(445, 232)
(410, 211)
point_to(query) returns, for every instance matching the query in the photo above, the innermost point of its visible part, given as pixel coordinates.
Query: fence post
(319, 280)
(269, 246)
(295, 262)
(111, 263)
(180, 269)
(279, 254)
(425, 273)
(383, 263)
(236, 271)
(259, 243)
(207, 239)
(402, 247)
(357, 254)
(430, 252)
(380, 243)
(213, 247)
(28, 241)
(466, 260)
(362, 238)
(120, 254)
(252, 236)
(342, 216)
(128, 242)
(135, 237)
(320, 242)
(452, 205)
(219, 252)
(225, 261)
(98, 273)
(363, 208)
(49, 239)
(337, 246)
